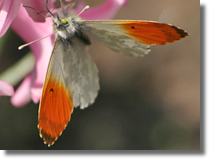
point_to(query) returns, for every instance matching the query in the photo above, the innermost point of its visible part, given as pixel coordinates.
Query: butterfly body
(72, 77)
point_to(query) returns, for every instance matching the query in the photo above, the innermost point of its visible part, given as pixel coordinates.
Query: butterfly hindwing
(81, 73)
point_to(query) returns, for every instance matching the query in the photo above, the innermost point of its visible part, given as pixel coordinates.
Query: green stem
(19, 70)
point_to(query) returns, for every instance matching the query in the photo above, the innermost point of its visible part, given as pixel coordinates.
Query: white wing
(114, 37)
(80, 72)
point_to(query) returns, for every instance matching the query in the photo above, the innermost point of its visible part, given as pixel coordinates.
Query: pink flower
(8, 12)
(30, 30)
(105, 11)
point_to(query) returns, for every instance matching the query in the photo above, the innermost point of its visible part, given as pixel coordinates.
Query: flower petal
(6, 89)
(36, 92)
(8, 11)
(29, 31)
(22, 95)
(38, 5)
(105, 11)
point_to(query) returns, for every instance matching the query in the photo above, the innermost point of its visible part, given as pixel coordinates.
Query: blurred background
(149, 103)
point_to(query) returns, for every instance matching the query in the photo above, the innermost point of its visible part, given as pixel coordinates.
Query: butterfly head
(64, 21)
(65, 27)
(60, 22)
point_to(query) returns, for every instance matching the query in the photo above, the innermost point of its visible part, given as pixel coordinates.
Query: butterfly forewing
(115, 39)
(56, 104)
(133, 37)
(148, 32)
(71, 81)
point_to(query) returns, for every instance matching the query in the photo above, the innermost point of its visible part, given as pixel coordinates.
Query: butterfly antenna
(75, 1)
(87, 7)
(24, 45)
(65, 11)
(71, 6)
(62, 6)
(48, 9)
(36, 10)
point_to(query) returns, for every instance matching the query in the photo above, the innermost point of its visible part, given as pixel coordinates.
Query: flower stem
(19, 70)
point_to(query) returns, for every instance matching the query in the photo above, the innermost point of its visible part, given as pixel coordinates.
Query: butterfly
(72, 76)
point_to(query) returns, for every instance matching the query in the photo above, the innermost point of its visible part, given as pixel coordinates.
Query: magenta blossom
(29, 29)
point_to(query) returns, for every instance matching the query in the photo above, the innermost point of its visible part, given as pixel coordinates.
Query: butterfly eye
(64, 21)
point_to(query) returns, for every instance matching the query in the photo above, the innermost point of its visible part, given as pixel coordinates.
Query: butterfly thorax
(64, 27)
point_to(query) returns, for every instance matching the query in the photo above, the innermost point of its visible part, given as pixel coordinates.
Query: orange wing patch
(55, 110)
(150, 33)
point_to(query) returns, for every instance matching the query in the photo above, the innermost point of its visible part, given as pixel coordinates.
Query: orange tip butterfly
(72, 76)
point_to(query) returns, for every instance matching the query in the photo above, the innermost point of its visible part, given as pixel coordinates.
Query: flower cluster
(31, 26)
